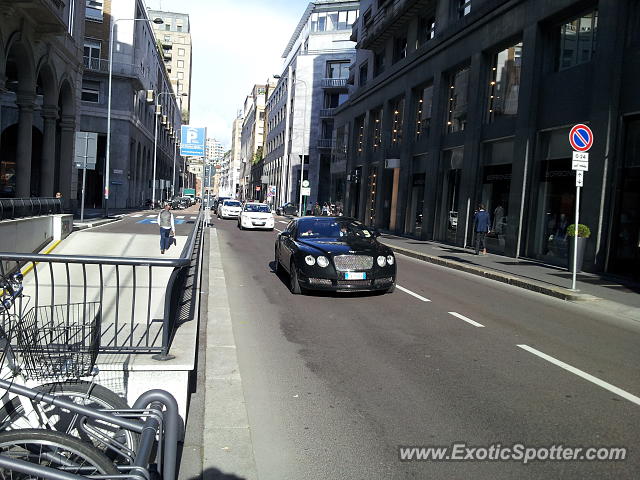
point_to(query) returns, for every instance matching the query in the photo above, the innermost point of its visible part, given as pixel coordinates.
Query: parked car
(287, 209)
(256, 215)
(229, 209)
(334, 253)
(218, 202)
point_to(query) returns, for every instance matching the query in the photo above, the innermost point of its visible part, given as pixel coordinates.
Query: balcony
(102, 66)
(333, 83)
(49, 15)
(327, 112)
(390, 20)
(326, 143)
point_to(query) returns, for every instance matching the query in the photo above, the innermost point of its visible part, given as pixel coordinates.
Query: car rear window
(257, 208)
(232, 203)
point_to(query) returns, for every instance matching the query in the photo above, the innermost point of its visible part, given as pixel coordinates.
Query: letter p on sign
(192, 135)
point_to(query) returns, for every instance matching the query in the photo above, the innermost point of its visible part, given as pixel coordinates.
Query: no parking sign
(581, 138)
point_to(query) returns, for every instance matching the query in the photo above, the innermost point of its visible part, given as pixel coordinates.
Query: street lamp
(158, 108)
(304, 126)
(157, 21)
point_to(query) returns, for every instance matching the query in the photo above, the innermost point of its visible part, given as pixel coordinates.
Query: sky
(236, 44)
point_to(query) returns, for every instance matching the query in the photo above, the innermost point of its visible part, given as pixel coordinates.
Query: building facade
(252, 143)
(214, 150)
(40, 77)
(138, 68)
(230, 173)
(174, 37)
(459, 103)
(300, 112)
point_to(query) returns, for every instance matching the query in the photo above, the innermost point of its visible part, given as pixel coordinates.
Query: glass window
(578, 40)
(376, 128)
(458, 100)
(451, 193)
(397, 122)
(180, 63)
(504, 84)
(426, 30)
(352, 16)
(359, 132)
(92, 50)
(332, 21)
(423, 108)
(342, 20)
(322, 21)
(371, 197)
(90, 91)
(181, 52)
(378, 63)
(362, 79)
(180, 75)
(179, 28)
(399, 48)
(94, 10)
(337, 69)
(464, 8)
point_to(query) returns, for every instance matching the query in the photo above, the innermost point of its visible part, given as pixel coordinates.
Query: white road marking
(585, 375)
(419, 297)
(193, 218)
(151, 216)
(280, 221)
(277, 230)
(180, 216)
(468, 320)
(137, 215)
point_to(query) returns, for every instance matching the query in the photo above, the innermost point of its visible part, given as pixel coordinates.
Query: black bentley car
(334, 253)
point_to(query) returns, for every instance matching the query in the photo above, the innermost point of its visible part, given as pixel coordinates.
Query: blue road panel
(192, 141)
(151, 220)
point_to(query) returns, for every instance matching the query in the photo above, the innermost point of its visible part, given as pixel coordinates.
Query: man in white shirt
(167, 227)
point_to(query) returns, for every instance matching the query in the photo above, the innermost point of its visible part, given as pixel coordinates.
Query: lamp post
(157, 21)
(158, 108)
(304, 126)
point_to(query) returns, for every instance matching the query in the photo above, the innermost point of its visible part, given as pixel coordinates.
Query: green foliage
(583, 230)
(257, 156)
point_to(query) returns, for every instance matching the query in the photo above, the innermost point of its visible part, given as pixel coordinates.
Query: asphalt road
(334, 384)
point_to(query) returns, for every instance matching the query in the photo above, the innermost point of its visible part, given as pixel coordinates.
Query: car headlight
(323, 261)
(310, 260)
(390, 259)
(382, 261)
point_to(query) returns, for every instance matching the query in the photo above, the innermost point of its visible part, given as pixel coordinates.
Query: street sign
(86, 150)
(581, 138)
(271, 191)
(582, 156)
(306, 191)
(192, 141)
(305, 184)
(580, 165)
(579, 178)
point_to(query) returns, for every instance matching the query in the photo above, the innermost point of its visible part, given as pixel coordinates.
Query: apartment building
(231, 166)
(301, 110)
(454, 103)
(40, 76)
(252, 142)
(174, 38)
(138, 68)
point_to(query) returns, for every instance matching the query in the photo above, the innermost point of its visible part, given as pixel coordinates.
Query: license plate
(355, 276)
(258, 223)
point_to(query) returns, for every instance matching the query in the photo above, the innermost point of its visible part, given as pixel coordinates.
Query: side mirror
(285, 234)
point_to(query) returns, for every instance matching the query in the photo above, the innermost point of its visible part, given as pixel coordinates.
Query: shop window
(504, 83)
(90, 91)
(451, 192)
(362, 79)
(423, 109)
(397, 112)
(458, 103)
(577, 41)
(376, 129)
(399, 48)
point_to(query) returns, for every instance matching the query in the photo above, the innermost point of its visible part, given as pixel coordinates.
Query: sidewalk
(524, 273)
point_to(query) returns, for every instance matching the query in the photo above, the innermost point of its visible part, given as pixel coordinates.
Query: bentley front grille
(346, 263)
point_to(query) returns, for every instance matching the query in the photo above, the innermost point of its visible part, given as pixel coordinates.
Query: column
(67, 133)
(23, 153)
(49, 115)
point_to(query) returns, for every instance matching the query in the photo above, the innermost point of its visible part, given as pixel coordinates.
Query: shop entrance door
(625, 251)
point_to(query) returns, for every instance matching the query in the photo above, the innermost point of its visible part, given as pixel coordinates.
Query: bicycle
(53, 342)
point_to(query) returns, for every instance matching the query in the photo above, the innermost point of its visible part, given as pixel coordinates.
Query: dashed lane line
(280, 221)
(601, 383)
(419, 297)
(468, 320)
(277, 230)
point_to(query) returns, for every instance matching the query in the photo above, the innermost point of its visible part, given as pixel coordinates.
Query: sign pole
(575, 241)
(84, 176)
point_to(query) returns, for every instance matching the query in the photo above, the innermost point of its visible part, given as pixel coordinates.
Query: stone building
(40, 75)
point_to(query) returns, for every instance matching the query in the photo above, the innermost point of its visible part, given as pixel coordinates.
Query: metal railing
(139, 315)
(102, 65)
(334, 82)
(11, 208)
(326, 143)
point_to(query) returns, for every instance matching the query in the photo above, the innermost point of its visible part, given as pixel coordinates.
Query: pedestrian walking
(317, 211)
(325, 209)
(481, 223)
(167, 226)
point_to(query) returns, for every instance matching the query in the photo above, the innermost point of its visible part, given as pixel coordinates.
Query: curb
(532, 285)
(97, 223)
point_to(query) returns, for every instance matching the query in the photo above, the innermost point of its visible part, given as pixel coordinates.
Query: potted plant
(583, 234)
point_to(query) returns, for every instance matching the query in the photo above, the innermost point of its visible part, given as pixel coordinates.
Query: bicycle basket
(58, 340)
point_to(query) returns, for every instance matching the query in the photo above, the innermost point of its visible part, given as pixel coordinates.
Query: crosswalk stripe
(150, 216)
(180, 216)
(138, 215)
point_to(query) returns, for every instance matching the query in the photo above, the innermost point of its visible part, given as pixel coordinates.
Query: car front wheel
(294, 283)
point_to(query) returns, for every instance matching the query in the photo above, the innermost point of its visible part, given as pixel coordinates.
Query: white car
(256, 215)
(230, 209)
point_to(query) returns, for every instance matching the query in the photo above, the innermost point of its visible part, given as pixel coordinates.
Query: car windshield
(232, 203)
(332, 228)
(257, 208)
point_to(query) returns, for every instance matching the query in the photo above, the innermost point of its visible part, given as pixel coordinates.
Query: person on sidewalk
(167, 227)
(481, 223)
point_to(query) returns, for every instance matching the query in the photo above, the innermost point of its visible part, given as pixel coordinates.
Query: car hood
(258, 214)
(345, 247)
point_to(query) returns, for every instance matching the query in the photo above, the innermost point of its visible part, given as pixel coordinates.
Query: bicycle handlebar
(11, 289)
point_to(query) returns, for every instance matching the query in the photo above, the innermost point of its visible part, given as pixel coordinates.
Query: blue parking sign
(192, 141)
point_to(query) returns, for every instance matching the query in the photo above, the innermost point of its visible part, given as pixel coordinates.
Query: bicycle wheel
(62, 420)
(55, 450)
